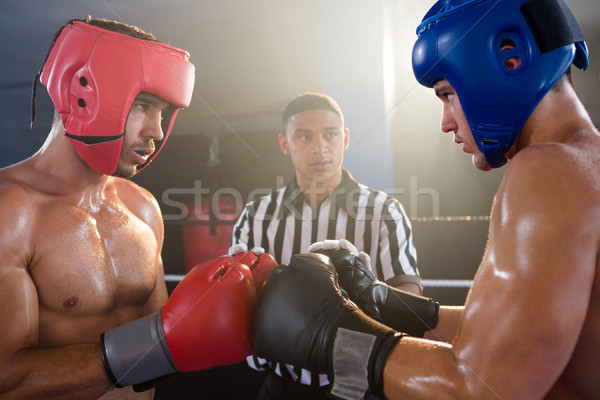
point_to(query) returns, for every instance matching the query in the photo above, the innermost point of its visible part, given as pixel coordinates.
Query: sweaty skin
(79, 255)
(531, 322)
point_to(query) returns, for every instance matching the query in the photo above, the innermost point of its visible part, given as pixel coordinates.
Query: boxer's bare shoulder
(542, 257)
(579, 178)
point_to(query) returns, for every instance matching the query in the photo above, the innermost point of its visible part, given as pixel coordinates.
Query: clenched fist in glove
(207, 322)
(259, 262)
(303, 319)
(395, 308)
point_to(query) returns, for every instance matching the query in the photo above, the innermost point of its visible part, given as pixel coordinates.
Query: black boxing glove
(303, 319)
(395, 308)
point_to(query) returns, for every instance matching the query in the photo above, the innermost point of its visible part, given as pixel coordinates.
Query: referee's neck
(316, 190)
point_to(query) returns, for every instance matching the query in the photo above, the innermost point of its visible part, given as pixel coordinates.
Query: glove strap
(351, 354)
(136, 352)
(407, 312)
(360, 349)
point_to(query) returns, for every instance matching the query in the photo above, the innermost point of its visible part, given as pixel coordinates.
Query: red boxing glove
(207, 322)
(260, 264)
(208, 318)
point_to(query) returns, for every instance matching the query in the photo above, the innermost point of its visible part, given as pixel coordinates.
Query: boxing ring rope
(466, 218)
(447, 283)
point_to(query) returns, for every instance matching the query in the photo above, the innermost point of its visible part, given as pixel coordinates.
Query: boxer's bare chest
(92, 259)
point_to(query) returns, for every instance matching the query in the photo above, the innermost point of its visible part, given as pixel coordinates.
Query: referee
(323, 201)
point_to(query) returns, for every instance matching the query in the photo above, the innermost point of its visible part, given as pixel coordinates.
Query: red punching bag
(208, 226)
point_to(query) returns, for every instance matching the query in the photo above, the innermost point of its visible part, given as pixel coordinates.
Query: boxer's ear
(284, 144)
(346, 138)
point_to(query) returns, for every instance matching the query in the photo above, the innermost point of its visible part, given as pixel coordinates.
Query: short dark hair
(310, 101)
(120, 27)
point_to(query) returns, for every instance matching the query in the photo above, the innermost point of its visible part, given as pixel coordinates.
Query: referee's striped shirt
(284, 224)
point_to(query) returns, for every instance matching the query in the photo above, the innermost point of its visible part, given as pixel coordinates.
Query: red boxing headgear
(93, 76)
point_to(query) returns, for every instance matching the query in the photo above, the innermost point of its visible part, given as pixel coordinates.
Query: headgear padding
(93, 76)
(464, 42)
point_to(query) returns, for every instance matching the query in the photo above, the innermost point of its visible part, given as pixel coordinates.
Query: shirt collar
(293, 200)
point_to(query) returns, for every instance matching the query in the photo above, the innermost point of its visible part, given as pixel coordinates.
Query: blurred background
(251, 58)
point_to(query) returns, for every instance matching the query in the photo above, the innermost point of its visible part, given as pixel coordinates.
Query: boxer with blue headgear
(530, 327)
(469, 42)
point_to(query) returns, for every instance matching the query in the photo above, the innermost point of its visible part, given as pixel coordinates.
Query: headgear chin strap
(465, 42)
(93, 76)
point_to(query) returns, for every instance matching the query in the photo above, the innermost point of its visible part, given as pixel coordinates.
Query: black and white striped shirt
(284, 224)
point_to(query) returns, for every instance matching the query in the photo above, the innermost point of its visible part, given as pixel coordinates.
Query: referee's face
(316, 140)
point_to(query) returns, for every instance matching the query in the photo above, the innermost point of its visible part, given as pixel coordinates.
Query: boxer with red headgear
(80, 247)
(94, 97)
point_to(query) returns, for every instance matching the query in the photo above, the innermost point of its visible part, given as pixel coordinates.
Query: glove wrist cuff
(379, 359)
(358, 355)
(409, 313)
(136, 352)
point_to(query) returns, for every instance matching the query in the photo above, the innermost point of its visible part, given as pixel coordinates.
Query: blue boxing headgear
(461, 41)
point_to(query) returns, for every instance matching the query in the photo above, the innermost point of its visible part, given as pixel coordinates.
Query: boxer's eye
(141, 106)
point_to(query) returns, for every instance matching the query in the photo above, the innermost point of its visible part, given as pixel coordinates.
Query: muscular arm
(29, 372)
(447, 325)
(144, 206)
(529, 299)
(159, 295)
